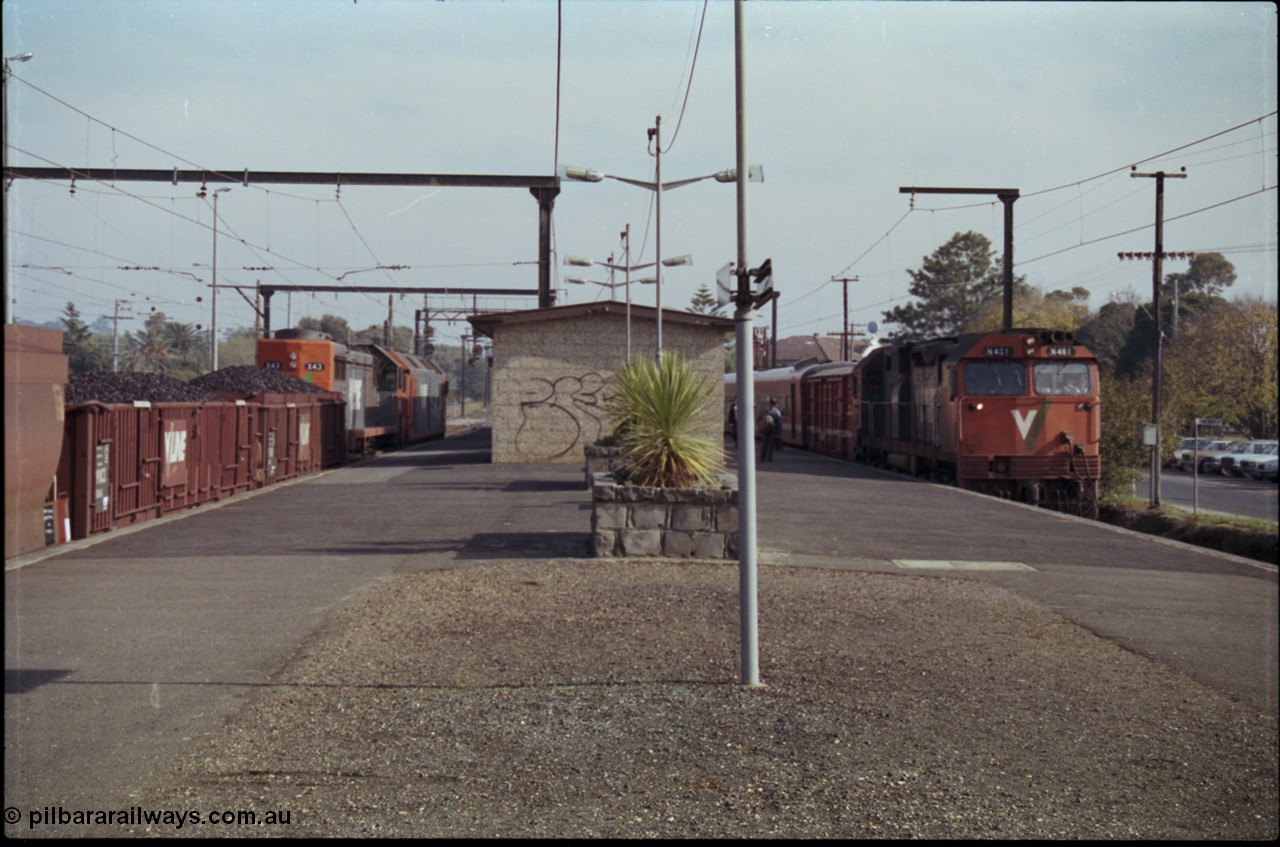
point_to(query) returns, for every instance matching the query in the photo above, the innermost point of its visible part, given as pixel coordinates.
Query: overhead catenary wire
(1077, 184)
(257, 249)
(235, 177)
(689, 85)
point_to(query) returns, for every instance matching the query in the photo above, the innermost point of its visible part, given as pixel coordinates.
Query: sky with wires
(846, 102)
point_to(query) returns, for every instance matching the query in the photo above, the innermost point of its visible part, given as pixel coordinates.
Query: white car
(1184, 444)
(1187, 459)
(1221, 461)
(1231, 464)
(1255, 465)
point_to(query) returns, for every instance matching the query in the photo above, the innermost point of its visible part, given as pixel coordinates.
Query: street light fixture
(669, 263)
(576, 261)
(649, 280)
(755, 173)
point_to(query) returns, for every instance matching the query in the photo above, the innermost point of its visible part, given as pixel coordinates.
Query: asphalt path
(121, 651)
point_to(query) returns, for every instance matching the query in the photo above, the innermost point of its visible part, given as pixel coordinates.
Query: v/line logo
(1030, 423)
(175, 446)
(1024, 424)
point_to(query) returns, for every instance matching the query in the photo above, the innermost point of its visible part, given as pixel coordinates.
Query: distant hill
(100, 326)
(46, 325)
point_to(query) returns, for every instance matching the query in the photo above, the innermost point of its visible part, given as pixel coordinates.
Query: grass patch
(1252, 539)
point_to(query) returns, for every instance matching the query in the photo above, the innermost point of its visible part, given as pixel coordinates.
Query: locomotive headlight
(975, 407)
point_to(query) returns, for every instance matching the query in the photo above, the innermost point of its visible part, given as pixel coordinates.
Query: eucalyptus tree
(954, 287)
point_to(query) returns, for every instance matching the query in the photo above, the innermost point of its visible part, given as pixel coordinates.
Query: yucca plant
(663, 410)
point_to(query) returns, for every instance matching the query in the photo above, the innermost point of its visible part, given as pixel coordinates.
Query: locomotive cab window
(1061, 378)
(994, 377)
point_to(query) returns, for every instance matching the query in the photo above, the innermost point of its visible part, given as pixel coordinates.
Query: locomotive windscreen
(1061, 378)
(995, 377)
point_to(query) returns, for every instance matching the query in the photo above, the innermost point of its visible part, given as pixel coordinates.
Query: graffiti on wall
(563, 415)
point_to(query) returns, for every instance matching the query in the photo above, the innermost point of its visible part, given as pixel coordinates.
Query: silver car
(1254, 464)
(1187, 459)
(1221, 461)
(1231, 464)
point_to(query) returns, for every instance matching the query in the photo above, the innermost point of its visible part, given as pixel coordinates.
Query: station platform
(235, 591)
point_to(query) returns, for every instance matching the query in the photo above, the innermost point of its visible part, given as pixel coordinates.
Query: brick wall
(551, 377)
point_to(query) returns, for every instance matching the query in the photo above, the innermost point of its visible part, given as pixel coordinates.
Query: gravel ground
(590, 699)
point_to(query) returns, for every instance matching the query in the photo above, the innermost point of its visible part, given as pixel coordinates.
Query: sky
(845, 103)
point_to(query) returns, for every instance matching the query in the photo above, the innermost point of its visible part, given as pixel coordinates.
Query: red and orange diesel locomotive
(392, 397)
(1012, 413)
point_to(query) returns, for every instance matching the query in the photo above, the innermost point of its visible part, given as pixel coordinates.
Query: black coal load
(130, 387)
(247, 379)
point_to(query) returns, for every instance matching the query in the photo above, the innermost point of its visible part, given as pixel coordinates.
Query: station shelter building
(553, 369)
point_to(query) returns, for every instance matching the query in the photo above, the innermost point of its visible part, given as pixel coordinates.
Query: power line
(1148, 226)
(1075, 184)
(1256, 120)
(689, 86)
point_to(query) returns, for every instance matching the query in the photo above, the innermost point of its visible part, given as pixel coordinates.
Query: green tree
(704, 302)
(1125, 407)
(955, 285)
(337, 328)
(401, 337)
(1105, 332)
(1208, 273)
(240, 347)
(1139, 347)
(1223, 365)
(183, 337)
(149, 350)
(79, 343)
(465, 371)
(1064, 310)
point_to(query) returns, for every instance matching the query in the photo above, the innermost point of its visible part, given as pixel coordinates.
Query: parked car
(1231, 464)
(1255, 464)
(1187, 458)
(1186, 443)
(1219, 461)
(1265, 468)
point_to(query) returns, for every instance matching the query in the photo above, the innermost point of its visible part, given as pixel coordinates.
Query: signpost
(1195, 468)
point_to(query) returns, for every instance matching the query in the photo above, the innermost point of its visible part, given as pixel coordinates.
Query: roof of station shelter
(485, 324)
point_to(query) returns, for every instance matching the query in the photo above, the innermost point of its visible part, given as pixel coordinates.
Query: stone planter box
(600, 459)
(694, 523)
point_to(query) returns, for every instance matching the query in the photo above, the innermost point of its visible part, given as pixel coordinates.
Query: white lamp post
(755, 173)
(213, 322)
(586, 263)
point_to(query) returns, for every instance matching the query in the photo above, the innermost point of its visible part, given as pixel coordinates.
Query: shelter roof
(485, 324)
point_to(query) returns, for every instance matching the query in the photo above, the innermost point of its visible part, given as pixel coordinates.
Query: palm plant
(664, 410)
(149, 350)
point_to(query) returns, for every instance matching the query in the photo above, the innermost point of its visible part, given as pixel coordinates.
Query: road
(1226, 495)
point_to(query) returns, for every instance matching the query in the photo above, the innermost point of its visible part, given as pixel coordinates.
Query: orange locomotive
(1012, 413)
(391, 397)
